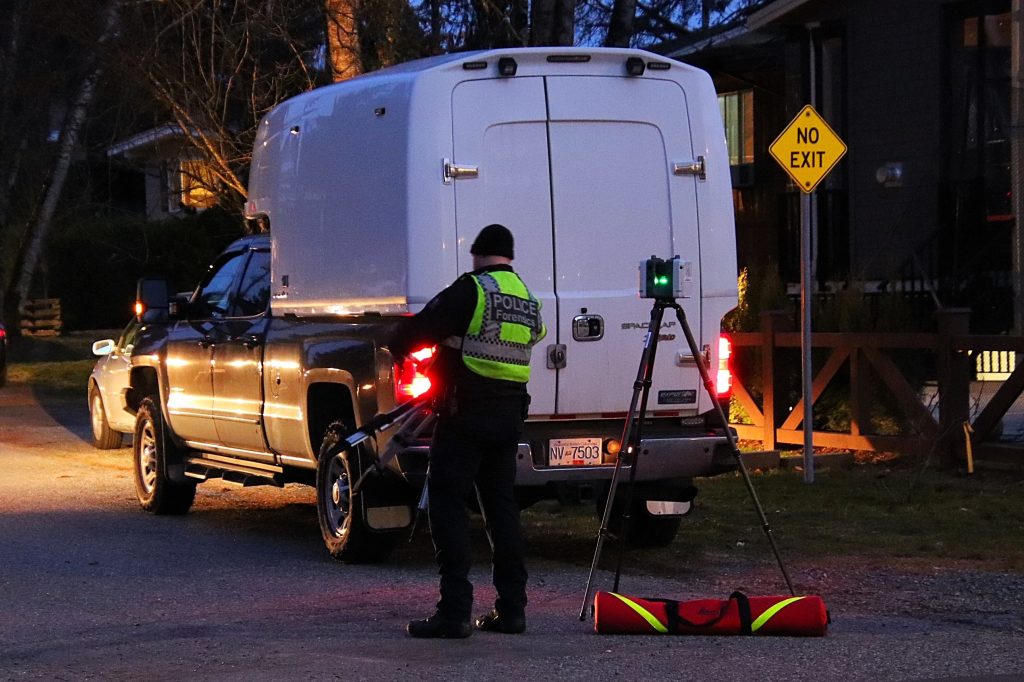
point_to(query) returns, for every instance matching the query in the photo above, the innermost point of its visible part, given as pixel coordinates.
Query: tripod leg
(634, 443)
(407, 415)
(421, 508)
(641, 386)
(709, 386)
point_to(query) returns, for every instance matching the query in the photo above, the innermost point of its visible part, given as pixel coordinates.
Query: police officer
(484, 325)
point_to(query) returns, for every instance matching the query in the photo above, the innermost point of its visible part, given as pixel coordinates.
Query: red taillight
(3, 333)
(410, 382)
(723, 381)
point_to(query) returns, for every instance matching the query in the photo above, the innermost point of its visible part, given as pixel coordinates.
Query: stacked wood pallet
(41, 317)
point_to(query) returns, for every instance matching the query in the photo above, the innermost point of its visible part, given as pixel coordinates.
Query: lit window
(737, 109)
(197, 183)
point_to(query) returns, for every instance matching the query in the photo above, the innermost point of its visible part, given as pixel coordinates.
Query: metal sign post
(806, 290)
(807, 149)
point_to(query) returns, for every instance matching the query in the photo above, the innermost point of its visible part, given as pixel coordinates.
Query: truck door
(500, 128)
(617, 202)
(237, 367)
(190, 353)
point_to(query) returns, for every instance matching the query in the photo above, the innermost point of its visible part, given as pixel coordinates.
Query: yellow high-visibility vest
(505, 326)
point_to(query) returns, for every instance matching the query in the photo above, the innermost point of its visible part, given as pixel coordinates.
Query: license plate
(574, 452)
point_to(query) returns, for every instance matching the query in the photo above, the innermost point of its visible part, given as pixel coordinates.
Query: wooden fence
(41, 317)
(944, 360)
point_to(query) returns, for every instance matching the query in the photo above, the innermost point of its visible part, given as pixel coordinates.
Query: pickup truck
(368, 193)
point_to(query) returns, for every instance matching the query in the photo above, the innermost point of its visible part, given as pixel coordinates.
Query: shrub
(847, 310)
(760, 290)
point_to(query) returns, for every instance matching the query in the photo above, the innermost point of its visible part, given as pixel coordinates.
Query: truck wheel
(645, 531)
(342, 521)
(103, 437)
(152, 449)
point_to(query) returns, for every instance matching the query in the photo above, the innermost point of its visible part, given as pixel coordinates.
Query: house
(920, 91)
(176, 179)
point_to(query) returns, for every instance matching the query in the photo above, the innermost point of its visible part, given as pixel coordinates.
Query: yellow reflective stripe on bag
(644, 613)
(771, 611)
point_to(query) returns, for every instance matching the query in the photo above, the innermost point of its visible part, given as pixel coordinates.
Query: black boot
(437, 627)
(496, 622)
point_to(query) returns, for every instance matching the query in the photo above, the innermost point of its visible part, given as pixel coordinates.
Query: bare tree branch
(68, 139)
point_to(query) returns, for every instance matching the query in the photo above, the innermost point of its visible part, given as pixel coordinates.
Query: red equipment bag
(738, 615)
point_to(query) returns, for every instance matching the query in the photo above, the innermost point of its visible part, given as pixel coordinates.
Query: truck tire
(645, 531)
(103, 437)
(342, 522)
(152, 451)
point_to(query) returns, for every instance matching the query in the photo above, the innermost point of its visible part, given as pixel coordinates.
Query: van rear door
(580, 169)
(500, 128)
(617, 202)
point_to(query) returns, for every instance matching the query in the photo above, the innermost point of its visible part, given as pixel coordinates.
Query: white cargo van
(596, 159)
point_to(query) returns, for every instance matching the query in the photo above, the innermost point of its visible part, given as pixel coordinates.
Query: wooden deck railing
(940, 428)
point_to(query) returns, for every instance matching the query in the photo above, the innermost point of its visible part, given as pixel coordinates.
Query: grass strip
(66, 376)
(881, 511)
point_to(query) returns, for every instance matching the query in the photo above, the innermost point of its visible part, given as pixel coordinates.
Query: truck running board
(233, 471)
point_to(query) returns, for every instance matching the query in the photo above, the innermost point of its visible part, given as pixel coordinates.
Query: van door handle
(698, 168)
(452, 172)
(587, 328)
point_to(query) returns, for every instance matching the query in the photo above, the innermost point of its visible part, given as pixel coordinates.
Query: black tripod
(631, 439)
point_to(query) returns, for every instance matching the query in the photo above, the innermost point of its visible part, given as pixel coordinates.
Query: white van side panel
(714, 193)
(337, 247)
(715, 205)
(430, 241)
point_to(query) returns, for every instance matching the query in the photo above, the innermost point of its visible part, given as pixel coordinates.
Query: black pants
(477, 447)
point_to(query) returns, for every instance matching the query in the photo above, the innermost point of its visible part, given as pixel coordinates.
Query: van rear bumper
(660, 459)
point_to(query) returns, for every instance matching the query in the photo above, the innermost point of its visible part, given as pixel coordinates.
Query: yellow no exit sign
(807, 149)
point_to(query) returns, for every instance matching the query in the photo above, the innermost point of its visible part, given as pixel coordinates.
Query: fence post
(772, 321)
(954, 378)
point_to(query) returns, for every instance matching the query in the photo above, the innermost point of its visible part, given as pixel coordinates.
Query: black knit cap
(493, 240)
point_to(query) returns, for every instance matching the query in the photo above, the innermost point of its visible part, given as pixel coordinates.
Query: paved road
(91, 587)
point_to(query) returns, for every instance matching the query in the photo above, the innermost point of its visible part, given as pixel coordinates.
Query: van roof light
(635, 66)
(507, 66)
(474, 66)
(659, 66)
(568, 58)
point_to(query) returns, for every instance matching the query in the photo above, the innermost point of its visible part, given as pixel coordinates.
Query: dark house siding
(895, 116)
(922, 84)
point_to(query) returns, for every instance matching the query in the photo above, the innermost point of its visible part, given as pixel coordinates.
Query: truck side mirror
(179, 306)
(152, 302)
